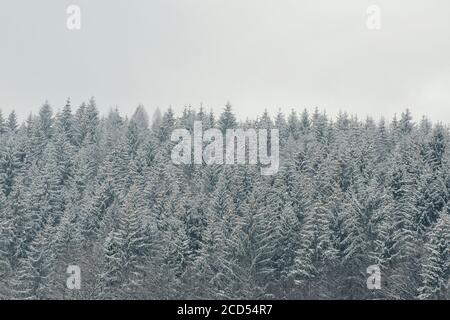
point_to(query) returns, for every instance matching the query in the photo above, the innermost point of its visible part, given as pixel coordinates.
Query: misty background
(256, 54)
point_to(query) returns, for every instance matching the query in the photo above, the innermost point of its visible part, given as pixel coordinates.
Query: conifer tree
(436, 265)
(227, 119)
(12, 122)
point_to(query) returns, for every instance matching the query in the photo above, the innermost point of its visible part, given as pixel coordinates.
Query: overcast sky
(256, 54)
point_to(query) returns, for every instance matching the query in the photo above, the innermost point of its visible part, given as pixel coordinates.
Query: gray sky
(255, 53)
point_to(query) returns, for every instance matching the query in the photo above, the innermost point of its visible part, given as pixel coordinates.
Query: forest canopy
(102, 193)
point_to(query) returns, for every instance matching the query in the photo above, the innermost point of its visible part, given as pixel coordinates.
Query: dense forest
(102, 193)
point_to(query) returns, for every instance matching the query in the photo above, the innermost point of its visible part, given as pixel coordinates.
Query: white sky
(255, 53)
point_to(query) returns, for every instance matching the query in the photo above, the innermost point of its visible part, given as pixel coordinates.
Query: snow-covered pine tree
(34, 278)
(125, 251)
(10, 164)
(12, 124)
(227, 119)
(436, 261)
(6, 246)
(2, 124)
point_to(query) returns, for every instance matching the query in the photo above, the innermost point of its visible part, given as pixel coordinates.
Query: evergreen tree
(2, 124)
(45, 124)
(436, 265)
(140, 117)
(10, 165)
(65, 122)
(227, 119)
(12, 122)
(6, 245)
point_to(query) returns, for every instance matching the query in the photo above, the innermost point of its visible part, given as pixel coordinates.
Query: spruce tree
(436, 263)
